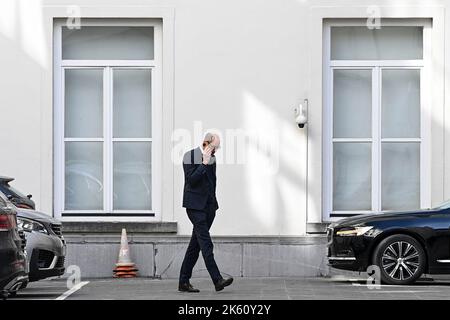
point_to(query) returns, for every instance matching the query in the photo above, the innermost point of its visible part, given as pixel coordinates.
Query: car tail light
(7, 222)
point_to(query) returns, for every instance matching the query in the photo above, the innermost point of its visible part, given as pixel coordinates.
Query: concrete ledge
(316, 228)
(174, 239)
(102, 227)
(160, 256)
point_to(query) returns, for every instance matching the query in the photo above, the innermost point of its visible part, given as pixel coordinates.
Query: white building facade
(100, 99)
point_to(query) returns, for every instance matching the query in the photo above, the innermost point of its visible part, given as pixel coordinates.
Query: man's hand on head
(207, 154)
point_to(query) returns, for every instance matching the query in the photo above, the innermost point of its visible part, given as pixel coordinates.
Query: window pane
(132, 176)
(400, 179)
(387, 43)
(352, 101)
(400, 103)
(132, 103)
(108, 43)
(84, 176)
(83, 103)
(352, 176)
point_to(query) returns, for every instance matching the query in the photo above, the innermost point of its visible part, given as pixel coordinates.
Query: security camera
(301, 114)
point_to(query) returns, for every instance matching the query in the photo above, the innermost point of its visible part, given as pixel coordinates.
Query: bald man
(200, 201)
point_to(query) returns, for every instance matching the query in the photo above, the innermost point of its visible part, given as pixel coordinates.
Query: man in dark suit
(200, 201)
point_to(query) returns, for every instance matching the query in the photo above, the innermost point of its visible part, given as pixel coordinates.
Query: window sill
(111, 227)
(316, 228)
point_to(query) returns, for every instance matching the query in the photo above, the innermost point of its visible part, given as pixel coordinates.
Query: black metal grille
(57, 229)
(60, 262)
(45, 258)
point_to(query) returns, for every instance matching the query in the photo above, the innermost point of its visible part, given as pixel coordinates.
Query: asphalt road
(335, 288)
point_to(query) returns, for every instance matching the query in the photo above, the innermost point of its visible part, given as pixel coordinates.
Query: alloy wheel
(400, 260)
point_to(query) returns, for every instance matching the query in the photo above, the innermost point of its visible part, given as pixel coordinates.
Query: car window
(13, 191)
(444, 205)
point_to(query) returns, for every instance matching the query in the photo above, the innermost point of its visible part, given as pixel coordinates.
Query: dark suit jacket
(198, 184)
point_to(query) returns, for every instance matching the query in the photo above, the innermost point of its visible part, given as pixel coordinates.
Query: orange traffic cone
(124, 267)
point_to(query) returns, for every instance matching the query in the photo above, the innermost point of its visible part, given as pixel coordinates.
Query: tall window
(376, 128)
(107, 117)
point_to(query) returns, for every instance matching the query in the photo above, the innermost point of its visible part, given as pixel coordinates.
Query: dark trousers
(200, 241)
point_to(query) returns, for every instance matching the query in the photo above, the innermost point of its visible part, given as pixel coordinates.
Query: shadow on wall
(254, 75)
(21, 22)
(275, 168)
(24, 56)
(263, 82)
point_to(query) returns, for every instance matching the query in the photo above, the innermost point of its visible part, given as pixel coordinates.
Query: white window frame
(376, 66)
(108, 66)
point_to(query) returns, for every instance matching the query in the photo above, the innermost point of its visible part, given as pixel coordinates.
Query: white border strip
(72, 290)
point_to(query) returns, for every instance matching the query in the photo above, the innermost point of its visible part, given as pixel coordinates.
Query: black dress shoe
(187, 287)
(222, 283)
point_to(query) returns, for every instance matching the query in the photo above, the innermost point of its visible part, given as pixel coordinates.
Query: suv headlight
(353, 231)
(31, 225)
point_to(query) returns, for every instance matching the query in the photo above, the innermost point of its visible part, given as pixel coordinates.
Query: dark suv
(13, 266)
(15, 196)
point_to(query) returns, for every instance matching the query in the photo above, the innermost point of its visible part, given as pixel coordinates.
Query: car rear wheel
(401, 259)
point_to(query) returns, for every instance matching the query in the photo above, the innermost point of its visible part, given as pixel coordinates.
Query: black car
(404, 245)
(15, 196)
(13, 266)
